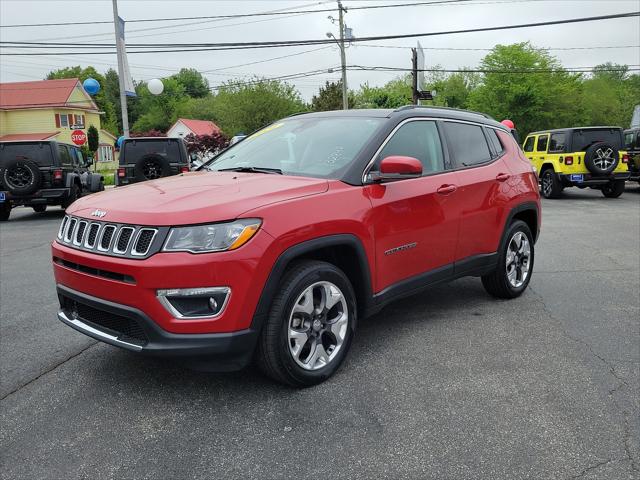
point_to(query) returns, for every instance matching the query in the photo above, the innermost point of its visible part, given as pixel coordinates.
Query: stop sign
(78, 137)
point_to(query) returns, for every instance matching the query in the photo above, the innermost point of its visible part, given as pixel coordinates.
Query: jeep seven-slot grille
(108, 238)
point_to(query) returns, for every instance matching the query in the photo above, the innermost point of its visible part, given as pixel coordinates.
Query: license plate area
(577, 177)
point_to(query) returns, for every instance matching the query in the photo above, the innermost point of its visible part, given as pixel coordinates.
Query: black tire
(613, 189)
(601, 158)
(39, 208)
(550, 186)
(21, 177)
(150, 167)
(74, 194)
(5, 211)
(497, 283)
(101, 186)
(273, 354)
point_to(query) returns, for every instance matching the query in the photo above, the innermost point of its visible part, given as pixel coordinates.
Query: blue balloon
(91, 85)
(120, 140)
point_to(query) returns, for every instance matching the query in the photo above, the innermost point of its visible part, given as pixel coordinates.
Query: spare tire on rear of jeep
(20, 177)
(150, 167)
(601, 158)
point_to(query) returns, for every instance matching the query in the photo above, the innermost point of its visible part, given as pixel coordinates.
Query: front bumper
(129, 328)
(589, 179)
(49, 196)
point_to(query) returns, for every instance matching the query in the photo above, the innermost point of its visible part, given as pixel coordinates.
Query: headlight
(216, 237)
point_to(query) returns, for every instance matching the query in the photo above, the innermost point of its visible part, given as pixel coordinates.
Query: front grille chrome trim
(88, 235)
(77, 242)
(70, 230)
(117, 240)
(95, 333)
(63, 226)
(134, 250)
(102, 234)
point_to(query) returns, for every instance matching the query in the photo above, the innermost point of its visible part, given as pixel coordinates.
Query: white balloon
(155, 86)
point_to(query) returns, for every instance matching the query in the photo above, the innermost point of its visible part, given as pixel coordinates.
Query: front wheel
(310, 325)
(515, 263)
(613, 189)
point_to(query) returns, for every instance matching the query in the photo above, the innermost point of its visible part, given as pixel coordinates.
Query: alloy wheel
(151, 170)
(518, 259)
(19, 176)
(604, 158)
(317, 326)
(547, 184)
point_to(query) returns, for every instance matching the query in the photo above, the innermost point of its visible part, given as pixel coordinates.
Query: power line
(464, 49)
(636, 67)
(287, 43)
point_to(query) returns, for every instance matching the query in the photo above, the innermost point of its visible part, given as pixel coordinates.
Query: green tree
(393, 94)
(158, 112)
(195, 85)
(93, 139)
(103, 101)
(330, 98)
(534, 101)
(245, 107)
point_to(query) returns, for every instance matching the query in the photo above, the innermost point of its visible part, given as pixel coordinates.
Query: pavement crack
(591, 468)
(49, 370)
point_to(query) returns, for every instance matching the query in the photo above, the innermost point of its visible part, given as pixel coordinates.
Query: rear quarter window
(134, 150)
(557, 143)
(35, 152)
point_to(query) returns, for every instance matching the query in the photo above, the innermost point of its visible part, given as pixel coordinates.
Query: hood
(196, 197)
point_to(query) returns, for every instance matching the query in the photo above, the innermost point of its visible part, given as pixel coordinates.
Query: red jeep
(274, 249)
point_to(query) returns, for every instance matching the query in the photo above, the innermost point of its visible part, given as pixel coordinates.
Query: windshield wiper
(252, 170)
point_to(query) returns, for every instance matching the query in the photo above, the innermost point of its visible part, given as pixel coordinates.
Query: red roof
(27, 136)
(200, 127)
(41, 93)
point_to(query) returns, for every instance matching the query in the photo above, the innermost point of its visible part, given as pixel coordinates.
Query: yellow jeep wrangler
(579, 157)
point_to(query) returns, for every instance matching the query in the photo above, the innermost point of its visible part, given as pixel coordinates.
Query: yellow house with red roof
(51, 110)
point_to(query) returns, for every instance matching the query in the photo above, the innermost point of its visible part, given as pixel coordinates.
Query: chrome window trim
(134, 249)
(116, 250)
(75, 235)
(104, 229)
(95, 242)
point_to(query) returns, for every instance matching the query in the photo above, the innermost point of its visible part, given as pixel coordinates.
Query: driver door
(415, 221)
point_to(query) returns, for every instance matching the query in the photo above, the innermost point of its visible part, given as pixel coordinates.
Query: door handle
(446, 189)
(501, 177)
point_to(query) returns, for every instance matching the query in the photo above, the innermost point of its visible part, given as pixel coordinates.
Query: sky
(383, 21)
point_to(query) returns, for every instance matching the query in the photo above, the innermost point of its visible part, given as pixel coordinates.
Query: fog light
(188, 303)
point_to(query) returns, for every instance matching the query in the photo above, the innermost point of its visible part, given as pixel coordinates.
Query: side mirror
(397, 167)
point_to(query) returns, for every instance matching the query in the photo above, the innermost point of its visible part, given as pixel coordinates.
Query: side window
(543, 140)
(628, 139)
(495, 142)
(528, 144)
(79, 159)
(418, 139)
(65, 158)
(557, 143)
(468, 143)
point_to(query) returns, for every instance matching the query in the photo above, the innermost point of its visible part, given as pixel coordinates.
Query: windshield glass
(314, 147)
(39, 153)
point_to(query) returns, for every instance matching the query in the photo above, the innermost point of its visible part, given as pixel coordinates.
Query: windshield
(316, 147)
(582, 139)
(39, 153)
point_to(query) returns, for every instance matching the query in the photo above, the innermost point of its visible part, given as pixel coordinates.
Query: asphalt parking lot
(450, 384)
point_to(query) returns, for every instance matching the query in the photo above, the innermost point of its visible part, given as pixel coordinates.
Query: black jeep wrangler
(42, 173)
(632, 146)
(148, 158)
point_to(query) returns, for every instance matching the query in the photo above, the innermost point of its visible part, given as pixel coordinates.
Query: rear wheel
(550, 184)
(310, 325)
(515, 263)
(613, 189)
(39, 208)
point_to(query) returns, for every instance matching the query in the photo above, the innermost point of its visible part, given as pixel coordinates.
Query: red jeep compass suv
(275, 248)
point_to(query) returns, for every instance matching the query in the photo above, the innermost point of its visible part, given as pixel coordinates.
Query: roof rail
(409, 107)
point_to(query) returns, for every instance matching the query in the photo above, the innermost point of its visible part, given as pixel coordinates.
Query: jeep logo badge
(98, 213)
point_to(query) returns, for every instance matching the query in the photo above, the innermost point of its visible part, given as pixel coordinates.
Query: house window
(64, 120)
(77, 121)
(105, 153)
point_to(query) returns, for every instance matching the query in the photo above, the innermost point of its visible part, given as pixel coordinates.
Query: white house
(186, 126)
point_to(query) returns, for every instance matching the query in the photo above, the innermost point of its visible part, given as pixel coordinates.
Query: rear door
(415, 221)
(480, 172)
(540, 153)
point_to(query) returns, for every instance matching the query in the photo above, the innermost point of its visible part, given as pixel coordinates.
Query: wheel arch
(529, 214)
(546, 166)
(345, 251)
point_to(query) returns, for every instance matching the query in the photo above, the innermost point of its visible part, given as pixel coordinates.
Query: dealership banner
(129, 88)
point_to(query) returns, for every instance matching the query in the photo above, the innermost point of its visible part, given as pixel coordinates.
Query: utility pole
(343, 57)
(414, 75)
(123, 95)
